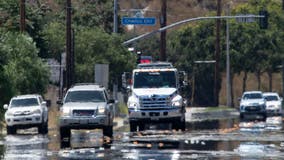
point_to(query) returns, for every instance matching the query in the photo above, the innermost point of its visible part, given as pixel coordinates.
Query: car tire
(141, 126)
(133, 126)
(65, 133)
(43, 128)
(242, 116)
(264, 116)
(11, 130)
(108, 131)
(179, 125)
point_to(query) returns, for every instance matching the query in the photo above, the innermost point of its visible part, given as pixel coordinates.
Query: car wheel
(108, 131)
(241, 115)
(65, 135)
(11, 130)
(179, 125)
(133, 126)
(264, 116)
(43, 128)
(141, 127)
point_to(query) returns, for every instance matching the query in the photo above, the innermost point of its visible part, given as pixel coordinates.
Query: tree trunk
(245, 81)
(270, 76)
(258, 80)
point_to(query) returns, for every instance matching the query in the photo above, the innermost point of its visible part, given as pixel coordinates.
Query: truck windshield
(24, 102)
(85, 96)
(161, 79)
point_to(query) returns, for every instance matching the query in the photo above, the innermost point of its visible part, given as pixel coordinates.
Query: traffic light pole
(187, 21)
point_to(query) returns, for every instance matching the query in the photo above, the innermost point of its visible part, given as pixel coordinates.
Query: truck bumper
(24, 121)
(84, 122)
(156, 115)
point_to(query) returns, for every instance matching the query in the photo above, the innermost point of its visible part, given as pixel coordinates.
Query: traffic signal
(263, 21)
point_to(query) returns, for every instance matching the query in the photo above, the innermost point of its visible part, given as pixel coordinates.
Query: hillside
(176, 10)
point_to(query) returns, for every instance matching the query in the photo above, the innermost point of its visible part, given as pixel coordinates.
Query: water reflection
(27, 147)
(271, 123)
(256, 150)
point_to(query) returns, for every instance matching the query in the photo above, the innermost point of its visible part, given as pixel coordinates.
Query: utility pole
(115, 24)
(22, 16)
(228, 73)
(217, 56)
(163, 23)
(283, 62)
(68, 45)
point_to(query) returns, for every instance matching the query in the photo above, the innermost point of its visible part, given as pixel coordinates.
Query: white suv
(26, 111)
(86, 106)
(253, 102)
(273, 103)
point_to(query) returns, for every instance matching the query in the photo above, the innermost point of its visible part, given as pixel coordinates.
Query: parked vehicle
(26, 111)
(273, 103)
(155, 96)
(253, 102)
(86, 106)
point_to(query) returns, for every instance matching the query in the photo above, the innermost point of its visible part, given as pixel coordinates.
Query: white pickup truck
(86, 106)
(26, 111)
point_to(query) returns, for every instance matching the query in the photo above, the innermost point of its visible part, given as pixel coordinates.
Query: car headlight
(261, 103)
(176, 101)
(8, 113)
(133, 105)
(37, 111)
(101, 109)
(176, 104)
(64, 112)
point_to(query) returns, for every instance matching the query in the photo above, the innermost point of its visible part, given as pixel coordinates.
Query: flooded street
(223, 138)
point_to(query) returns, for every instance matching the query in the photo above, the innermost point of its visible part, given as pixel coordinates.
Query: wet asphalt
(207, 136)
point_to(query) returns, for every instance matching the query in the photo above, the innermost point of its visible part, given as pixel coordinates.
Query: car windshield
(252, 96)
(85, 96)
(271, 98)
(162, 79)
(24, 102)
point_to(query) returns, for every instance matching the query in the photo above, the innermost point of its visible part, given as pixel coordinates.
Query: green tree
(261, 49)
(21, 67)
(195, 43)
(93, 45)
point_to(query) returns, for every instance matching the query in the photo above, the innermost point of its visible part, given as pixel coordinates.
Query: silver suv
(26, 111)
(86, 106)
(253, 102)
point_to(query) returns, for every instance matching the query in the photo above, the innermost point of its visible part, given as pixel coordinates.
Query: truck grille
(84, 113)
(153, 103)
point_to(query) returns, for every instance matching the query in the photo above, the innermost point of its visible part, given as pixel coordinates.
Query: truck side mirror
(126, 80)
(59, 102)
(183, 78)
(5, 106)
(111, 101)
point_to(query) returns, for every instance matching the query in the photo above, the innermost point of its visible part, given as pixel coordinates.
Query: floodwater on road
(225, 138)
